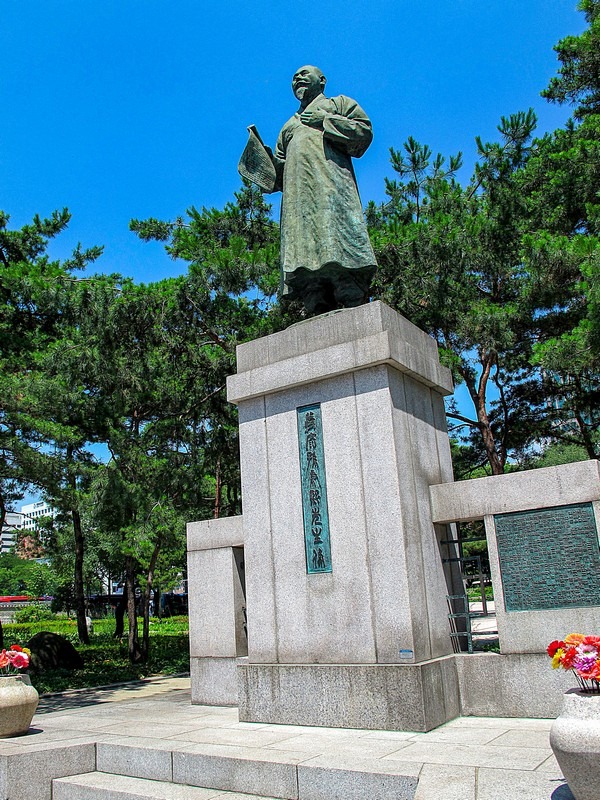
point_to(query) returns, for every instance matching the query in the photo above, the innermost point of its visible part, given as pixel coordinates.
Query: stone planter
(575, 741)
(18, 702)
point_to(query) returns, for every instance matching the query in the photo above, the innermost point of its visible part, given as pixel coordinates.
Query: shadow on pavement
(91, 697)
(562, 793)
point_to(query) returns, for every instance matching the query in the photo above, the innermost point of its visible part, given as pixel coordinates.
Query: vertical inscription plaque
(549, 558)
(314, 490)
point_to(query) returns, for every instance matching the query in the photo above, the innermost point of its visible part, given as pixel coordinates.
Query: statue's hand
(314, 119)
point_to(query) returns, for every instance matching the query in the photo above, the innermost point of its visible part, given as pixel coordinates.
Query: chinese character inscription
(314, 490)
(549, 558)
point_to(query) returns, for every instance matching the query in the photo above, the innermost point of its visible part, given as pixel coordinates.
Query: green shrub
(105, 658)
(23, 631)
(474, 593)
(33, 613)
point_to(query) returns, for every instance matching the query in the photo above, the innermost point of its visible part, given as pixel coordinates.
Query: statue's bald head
(308, 82)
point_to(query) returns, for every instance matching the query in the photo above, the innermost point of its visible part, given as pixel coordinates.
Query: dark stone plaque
(549, 558)
(314, 490)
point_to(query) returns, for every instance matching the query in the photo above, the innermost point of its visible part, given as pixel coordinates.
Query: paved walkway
(469, 758)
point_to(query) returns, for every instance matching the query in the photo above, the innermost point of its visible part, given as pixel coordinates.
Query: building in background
(33, 512)
(8, 537)
(29, 545)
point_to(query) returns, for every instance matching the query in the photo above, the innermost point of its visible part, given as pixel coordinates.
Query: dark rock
(52, 651)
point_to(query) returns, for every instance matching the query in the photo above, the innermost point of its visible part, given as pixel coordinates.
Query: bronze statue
(326, 257)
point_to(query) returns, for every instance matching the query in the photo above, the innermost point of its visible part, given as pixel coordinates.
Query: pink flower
(592, 673)
(595, 640)
(587, 649)
(20, 660)
(580, 653)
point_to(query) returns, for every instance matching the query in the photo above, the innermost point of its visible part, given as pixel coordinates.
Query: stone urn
(575, 741)
(18, 702)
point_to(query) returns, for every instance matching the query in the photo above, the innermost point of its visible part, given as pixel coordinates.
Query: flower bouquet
(581, 654)
(13, 660)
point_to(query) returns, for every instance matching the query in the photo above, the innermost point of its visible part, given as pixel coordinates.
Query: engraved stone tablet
(314, 490)
(549, 558)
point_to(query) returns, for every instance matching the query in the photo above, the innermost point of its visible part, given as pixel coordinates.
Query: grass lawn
(105, 658)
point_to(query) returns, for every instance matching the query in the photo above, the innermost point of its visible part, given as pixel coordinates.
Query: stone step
(259, 772)
(104, 786)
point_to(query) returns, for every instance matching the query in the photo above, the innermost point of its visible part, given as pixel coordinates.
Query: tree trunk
(82, 630)
(2, 511)
(120, 610)
(583, 426)
(2, 520)
(495, 458)
(145, 649)
(218, 490)
(133, 641)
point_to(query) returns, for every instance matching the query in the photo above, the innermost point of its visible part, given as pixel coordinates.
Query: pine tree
(578, 80)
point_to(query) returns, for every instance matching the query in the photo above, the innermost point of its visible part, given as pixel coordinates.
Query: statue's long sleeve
(349, 127)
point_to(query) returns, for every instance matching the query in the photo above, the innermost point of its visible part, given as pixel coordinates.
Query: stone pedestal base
(513, 685)
(214, 681)
(402, 697)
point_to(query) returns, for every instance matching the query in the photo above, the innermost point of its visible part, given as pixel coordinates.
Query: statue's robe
(323, 231)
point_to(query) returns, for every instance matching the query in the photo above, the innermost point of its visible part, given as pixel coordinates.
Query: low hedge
(106, 658)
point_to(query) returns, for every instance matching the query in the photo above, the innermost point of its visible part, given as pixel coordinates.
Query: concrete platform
(147, 740)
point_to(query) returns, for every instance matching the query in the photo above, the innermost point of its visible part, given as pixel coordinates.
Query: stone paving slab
(352, 763)
(521, 738)
(437, 781)
(363, 747)
(252, 737)
(509, 758)
(513, 723)
(495, 783)
(550, 765)
(154, 729)
(238, 752)
(469, 758)
(467, 736)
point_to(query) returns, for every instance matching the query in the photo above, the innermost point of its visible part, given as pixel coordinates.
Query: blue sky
(138, 108)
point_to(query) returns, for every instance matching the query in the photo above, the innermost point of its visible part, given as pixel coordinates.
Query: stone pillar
(216, 608)
(376, 384)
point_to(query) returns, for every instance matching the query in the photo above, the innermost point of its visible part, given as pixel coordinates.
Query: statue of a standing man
(326, 257)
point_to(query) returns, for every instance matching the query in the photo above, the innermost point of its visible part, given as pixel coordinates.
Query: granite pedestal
(377, 386)
(347, 614)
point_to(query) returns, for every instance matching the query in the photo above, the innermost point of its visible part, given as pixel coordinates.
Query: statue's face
(307, 83)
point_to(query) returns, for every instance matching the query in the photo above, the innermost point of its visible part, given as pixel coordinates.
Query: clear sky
(138, 108)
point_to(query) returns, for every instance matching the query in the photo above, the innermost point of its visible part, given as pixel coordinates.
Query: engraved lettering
(549, 558)
(314, 490)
